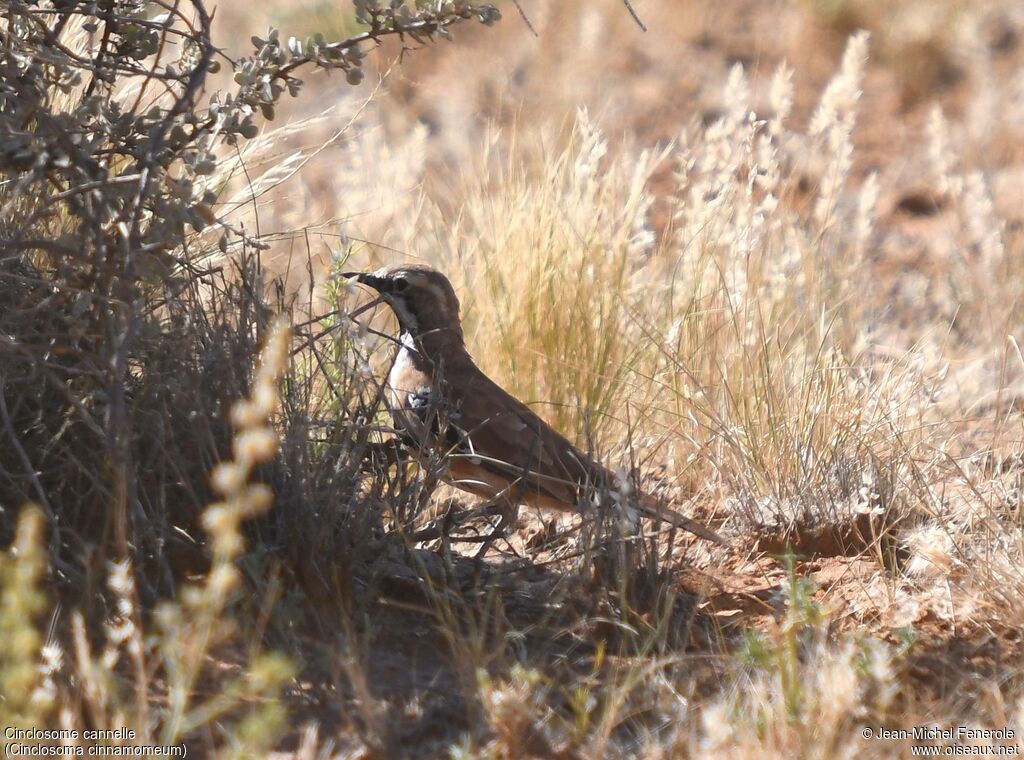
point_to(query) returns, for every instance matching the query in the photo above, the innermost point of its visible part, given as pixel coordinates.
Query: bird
(493, 445)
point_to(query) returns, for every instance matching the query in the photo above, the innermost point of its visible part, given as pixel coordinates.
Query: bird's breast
(408, 356)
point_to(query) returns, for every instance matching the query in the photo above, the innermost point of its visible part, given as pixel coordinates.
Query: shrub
(129, 306)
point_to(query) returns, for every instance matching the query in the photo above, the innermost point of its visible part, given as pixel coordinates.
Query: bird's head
(421, 297)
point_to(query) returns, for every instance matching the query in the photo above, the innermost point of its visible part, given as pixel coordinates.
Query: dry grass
(790, 301)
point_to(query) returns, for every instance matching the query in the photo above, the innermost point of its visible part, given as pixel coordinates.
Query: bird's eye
(400, 284)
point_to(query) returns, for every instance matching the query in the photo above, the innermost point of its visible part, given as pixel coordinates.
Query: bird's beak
(377, 283)
(380, 284)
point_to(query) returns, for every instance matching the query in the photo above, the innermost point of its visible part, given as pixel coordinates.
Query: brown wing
(495, 445)
(505, 438)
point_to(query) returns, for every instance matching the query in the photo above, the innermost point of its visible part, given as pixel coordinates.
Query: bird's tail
(650, 507)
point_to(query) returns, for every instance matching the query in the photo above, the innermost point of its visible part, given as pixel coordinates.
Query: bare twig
(633, 13)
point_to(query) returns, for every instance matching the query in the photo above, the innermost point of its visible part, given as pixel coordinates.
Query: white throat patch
(407, 352)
